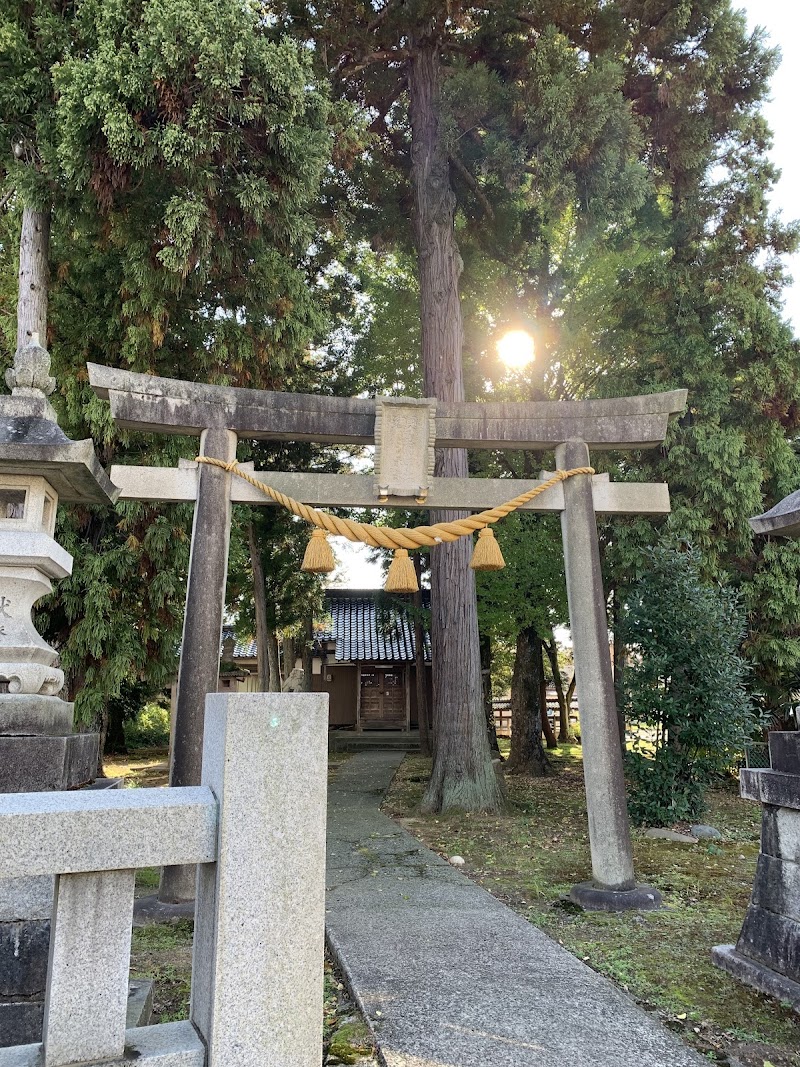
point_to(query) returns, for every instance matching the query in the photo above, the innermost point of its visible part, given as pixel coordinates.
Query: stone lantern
(39, 465)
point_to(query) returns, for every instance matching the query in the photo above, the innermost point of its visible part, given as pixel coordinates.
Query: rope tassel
(318, 558)
(486, 555)
(402, 577)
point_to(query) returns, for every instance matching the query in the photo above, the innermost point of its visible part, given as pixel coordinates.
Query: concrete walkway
(450, 977)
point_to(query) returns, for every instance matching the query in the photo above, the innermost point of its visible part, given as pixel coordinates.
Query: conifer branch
(472, 182)
(388, 55)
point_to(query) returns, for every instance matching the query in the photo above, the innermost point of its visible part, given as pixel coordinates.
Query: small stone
(710, 833)
(660, 833)
(457, 861)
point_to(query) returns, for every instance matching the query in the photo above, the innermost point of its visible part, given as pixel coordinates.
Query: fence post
(87, 984)
(257, 972)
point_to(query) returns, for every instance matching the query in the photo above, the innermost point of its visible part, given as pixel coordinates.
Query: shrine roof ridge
(147, 402)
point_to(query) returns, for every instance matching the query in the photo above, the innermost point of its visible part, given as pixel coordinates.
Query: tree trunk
(308, 651)
(547, 729)
(618, 666)
(274, 662)
(260, 609)
(289, 656)
(527, 755)
(568, 697)
(488, 708)
(419, 665)
(34, 245)
(551, 649)
(115, 734)
(463, 776)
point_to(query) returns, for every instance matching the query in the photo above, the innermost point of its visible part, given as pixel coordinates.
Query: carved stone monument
(767, 954)
(38, 750)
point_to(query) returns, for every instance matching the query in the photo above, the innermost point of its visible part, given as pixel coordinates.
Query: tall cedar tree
(179, 147)
(691, 296)
(465, 101)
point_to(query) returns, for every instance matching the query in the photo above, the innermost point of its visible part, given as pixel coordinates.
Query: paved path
(450, 977)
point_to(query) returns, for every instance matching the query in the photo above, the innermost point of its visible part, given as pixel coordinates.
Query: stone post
(767, 954)
(198, 673)
(614, 886)
(257, 971)
(38, 750)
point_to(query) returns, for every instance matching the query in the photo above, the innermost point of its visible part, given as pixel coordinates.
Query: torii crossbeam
(406, 432)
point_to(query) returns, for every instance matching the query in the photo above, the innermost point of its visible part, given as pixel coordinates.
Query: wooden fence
(502, 713)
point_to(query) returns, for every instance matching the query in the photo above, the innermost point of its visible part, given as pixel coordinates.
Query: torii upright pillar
(613, 887)
(198, 672)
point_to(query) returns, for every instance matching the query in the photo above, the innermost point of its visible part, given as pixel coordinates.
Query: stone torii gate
(406, 432)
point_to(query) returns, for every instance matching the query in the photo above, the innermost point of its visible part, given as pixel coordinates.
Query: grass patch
(139, 769)
(531, 858)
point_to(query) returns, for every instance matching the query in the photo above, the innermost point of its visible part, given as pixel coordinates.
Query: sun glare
(515, 349)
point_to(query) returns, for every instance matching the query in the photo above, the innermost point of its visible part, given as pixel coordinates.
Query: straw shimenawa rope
(386, 536)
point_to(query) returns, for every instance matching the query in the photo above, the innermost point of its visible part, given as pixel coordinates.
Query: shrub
(148, 729)
(683, 685)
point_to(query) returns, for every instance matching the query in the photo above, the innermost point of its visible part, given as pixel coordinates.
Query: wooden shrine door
(383, 698)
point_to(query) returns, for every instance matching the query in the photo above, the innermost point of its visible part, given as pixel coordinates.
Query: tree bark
(463, 776)
(618, 666)
(307, 652)
(289, 656)
(420, 679)
(260, 609)
(547, 729)
(274, 662)
(527, 754)
(34, 246)
(488, 707)
(563, 711)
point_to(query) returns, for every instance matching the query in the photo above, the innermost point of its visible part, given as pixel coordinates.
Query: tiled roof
(369, 627)
(372, 627)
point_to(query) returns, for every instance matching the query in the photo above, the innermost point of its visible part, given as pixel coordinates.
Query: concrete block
(258, 950)
(26, 898)
(106, 830)
(87, 987)
(20, 1023)
(139, 1010)
(23, 957)
(777, 886)
(33, 764)
(780, 833)
(26, 714)
(755, 974)
(784, 751)
(772, 940)
(164, 1045)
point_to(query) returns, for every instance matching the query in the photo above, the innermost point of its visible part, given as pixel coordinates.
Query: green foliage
(181, 147)
(684, 685)
(149, 729)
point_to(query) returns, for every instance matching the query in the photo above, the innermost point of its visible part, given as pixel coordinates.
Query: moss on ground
(531, 857)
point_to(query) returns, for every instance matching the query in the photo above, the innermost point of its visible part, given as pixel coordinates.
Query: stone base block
(149, 910)
(755, 974)
(640, 898)
(21, 1022)
(24, 950)
(772, 940)
(140, 1004)
(22, 714)
(40, 764)
(26, 898)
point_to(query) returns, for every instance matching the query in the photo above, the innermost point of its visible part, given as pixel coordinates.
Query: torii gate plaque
(220, 415)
